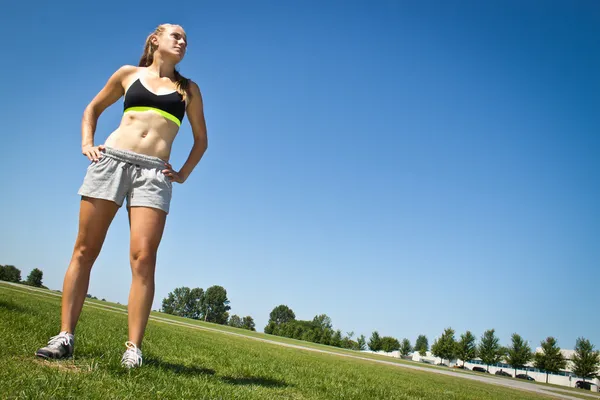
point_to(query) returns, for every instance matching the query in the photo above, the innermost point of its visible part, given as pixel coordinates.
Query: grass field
(183, 362)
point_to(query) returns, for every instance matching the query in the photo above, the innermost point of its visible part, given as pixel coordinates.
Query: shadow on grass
(10, 306)
(266, 382)
(192, 370)
(187, 370)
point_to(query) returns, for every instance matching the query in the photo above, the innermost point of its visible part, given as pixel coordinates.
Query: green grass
(183, 362)
(583, 394)
(279, 339)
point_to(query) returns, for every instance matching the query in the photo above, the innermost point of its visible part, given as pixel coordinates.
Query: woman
(132, 165)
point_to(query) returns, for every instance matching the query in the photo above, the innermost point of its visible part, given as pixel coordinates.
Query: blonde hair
(182, 83)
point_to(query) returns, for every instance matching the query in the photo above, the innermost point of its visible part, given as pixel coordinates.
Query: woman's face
(172, 42)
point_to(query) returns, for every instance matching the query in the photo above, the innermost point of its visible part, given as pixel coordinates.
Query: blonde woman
(132, 166)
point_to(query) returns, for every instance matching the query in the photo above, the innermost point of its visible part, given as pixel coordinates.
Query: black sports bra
(139, 98)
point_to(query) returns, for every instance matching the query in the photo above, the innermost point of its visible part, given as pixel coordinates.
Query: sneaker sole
(46, 357)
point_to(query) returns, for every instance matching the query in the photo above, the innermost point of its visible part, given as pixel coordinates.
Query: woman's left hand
(171, 174)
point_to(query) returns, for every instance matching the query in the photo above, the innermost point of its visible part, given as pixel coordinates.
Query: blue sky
(400, 166)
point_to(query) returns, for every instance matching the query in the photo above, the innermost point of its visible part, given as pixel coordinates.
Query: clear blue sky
(400, 166)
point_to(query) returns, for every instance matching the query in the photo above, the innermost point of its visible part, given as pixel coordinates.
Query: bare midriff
(144, 132)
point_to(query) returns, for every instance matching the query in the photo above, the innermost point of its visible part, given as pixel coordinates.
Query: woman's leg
(95, 217)
(147, 226)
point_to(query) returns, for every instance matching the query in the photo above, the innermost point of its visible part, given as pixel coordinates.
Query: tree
(193, 306)
(422, 345)
(270, 328)
(322, 321)
(490, 350)
(184, 302)
(466, 349)
(10, 273)
(362, 342)
(348, 343)
(519, 353)
(281, 314)
(405, 347)
(585, 360)
(248, 323)
(336, 339)
(550, 359)
(215, 305)
(389, 344)
(375, 342)
(35, 278)
(175, 301)
(326, 336)
(444, 347)
(235, 321)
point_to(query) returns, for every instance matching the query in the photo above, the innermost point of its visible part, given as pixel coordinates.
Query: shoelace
(59, 340)
(132, 356)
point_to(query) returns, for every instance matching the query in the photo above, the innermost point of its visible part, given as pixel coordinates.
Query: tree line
(586, 360)
(10, 273)
(211, 305)
(283, 322)
(518, 354)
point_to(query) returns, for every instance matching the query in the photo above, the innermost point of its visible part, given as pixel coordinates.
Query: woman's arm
(195, 111)
(110, 93)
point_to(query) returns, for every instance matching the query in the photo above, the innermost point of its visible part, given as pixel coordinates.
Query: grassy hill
(195, 360)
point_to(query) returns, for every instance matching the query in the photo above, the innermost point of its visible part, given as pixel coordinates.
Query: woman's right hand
(94, 153)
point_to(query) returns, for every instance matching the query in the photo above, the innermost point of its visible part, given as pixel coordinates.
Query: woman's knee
(86, 253)
(143, 261)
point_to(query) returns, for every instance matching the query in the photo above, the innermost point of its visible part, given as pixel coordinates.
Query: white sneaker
(59, 347)
(132, 357)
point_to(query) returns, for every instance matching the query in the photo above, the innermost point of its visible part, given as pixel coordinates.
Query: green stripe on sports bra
(158, 110)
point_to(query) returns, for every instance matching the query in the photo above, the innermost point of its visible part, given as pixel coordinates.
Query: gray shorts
(121, 174)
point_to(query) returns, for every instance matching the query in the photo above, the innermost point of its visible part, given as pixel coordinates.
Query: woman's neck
(161, 68)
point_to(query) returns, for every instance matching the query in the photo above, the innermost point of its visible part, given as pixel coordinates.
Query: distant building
(564, 378)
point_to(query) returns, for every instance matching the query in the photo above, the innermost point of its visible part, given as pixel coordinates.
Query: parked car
(583, 385)
(480, 369)
(524, 376)
(503, 373)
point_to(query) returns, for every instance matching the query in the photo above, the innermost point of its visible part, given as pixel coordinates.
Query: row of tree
(10, 273)
(283, 322)
(387, 344)
(211, 305)
(585, 360)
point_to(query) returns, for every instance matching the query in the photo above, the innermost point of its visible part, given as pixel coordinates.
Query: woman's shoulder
(129, 67)
(193, 87)
(127, 70)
